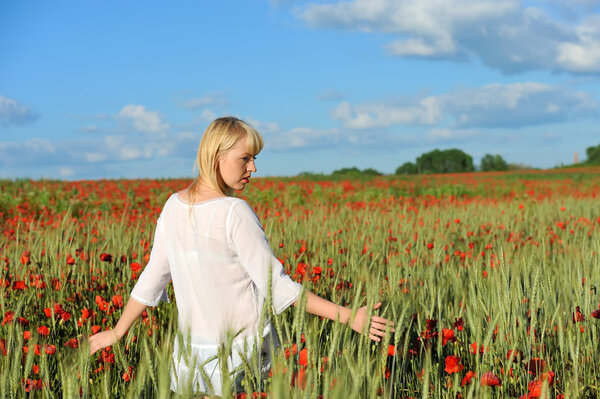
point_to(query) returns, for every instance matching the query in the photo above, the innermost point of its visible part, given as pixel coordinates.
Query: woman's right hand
(102, 340)
(375, 328)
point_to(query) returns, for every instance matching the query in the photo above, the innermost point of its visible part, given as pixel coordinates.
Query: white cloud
(583, 55)
(277, 138)
(506, 35)
(518, 105)
(40, 145)
(94, 157)
(143, 120)
(425, 112)
(452, 135)
(208, 115)
(90, 129)
(65, 172)
(12, 112)
(331, 95)
(302, 138)
(216, 98)
(264, 128)
(494, 105)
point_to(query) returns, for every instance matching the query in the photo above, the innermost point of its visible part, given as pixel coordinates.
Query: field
(491, 280)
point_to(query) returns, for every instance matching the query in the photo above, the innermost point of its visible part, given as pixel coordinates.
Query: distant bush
(519, 166)
(355, 172)
(407, 168)
(593, 155)
(447, 161)
(493, 163)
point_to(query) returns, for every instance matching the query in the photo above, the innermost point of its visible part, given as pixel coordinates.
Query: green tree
(355, 172)
(593, 154)
(407, 168)
(371, 172)
(447, 161)
(492, 163)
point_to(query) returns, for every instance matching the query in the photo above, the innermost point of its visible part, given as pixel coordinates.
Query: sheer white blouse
(218, 257)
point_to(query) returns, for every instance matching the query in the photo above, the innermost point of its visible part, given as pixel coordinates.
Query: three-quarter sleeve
(150, 287)
(248, 239)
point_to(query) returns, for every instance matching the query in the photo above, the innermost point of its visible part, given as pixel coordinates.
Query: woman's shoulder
(239, 208)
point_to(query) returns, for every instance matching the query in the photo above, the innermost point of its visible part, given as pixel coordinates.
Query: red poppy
(482, 349)
(72, 343)
(467, 378)
(447, 335)
(22, 321)
(70, 260)
(303, 357)
(431, 324)
(128, 375)
(26, 334)
(43, 331)
(95, 329)
(104, 257)
(517, 355)
(536, 366)
(26, 258)
(107, 356)
(293, 350)
(31, 385)
(8, 317)
(577, 315)
(299, 378)
(117, 300)
(102, 304)
(135, 267)
(459, 324)
(453, 364)
(596, 314)
(535, 387)
(391, 350)
(49, 349)
(301, 269)
(490, 379)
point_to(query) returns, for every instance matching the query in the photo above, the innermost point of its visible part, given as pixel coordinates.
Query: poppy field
(491, 280)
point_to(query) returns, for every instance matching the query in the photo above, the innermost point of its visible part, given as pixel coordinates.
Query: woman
(212, 246)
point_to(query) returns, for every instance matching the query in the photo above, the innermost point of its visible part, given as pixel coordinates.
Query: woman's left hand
(377, 326)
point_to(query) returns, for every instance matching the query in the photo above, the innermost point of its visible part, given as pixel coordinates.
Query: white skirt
(186, 375)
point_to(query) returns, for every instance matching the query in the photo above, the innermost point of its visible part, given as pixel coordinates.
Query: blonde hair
(219, 137)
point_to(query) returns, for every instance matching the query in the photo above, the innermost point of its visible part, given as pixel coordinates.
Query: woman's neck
(199, 192)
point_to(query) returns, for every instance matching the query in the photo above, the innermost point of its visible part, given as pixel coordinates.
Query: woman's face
(237, 165)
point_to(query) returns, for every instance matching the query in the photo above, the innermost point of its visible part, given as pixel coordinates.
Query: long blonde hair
(219, 137)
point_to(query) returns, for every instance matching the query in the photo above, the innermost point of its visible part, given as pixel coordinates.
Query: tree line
(447, 161)
(451, 161)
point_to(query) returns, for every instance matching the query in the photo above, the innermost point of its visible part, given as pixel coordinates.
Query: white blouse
(218, 257)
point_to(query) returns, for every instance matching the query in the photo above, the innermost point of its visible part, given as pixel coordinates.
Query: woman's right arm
(376, 327)
(132, 311)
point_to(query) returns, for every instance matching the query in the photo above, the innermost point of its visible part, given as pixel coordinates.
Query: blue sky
(117, 89)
